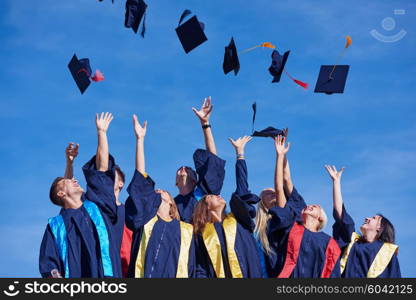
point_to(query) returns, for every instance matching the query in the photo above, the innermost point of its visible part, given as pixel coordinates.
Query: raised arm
(71, 153)
(140, 132)
(240, 168)
(336, 191)
(102, 123)
(203, 115)
(287, 179)
(281, 150)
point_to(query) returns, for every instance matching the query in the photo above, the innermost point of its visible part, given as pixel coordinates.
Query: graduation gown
(298, 252)
(211, 172)
(160, 249)
(83, 249)
(100, 185)
(228, 248)
(361, 259)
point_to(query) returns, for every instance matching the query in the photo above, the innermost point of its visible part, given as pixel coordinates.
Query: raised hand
(205, 112)
(240, 143)
(333, 173)
(280, 144)
(139, 131)
(103, 121)
(71, 152)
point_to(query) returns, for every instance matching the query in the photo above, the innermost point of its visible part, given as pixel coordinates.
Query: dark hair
(387, 232)
(120, 173)
(53, 193)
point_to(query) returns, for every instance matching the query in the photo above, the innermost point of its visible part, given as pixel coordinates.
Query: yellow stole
(186, 239)
(380, 262)
(213, 245)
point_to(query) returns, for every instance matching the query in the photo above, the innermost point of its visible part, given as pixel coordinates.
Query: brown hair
(121, 174)
(387, 233)
(53, 192)
(173, 210)
(202, 215)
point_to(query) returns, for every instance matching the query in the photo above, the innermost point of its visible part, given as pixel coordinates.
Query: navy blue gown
(242, 207)
(163, 248)
(311, 259)
(362, 253)
(211, 172)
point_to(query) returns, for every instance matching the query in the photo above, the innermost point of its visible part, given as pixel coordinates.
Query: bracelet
(240, 156)
(206, 126)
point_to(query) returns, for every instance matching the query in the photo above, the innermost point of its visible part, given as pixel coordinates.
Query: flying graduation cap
(191, 33)
(81, 72)
(332, 78)
(267, 132)
(135, 11)
(231, 62)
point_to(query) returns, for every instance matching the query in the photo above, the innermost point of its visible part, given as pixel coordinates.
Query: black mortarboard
(278, 64)
(269, 132)
(332, 79)
(231, 61)
(191, 33)
(81, 71)
(135, 10)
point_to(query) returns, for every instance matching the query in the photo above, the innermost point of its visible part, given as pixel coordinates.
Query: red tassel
(302, 84)
(98, 76)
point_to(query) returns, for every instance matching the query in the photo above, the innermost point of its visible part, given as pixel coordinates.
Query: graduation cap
(267, 132)
(332, 79)
(231, 61)
(81, 72)
(278, 64)
(191, 33)
(135, 10)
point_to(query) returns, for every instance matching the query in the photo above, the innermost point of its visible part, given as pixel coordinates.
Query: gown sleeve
(343, 228)
(48, 255)
(211, 171)
(242, 200)
(142, 203)
(100, 187)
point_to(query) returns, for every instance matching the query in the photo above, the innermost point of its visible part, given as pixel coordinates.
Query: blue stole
(59, 231)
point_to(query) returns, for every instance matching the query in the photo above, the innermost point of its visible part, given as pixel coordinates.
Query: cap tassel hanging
(264, 45)
(298, 82)
(347, 44)
(98, 76)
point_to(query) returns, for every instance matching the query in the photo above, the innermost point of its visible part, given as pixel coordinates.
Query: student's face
(268, 196)
(312, 210)
(184, 176)
(118, 182)
(69, 187)
(215, 202)
(166, 198)
(371, 223)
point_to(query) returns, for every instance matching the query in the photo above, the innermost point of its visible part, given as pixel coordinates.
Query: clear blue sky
(370, 128)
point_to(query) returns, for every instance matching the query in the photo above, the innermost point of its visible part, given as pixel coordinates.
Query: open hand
(240, 143)
(103, 121)
(139, 131)
(205, 112)
(280, 144)
(333, 173)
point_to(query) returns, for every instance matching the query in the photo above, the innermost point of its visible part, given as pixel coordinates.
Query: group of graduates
(155, 235)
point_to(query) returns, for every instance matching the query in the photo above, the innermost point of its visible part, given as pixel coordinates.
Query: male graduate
(80, 241)
(210, 171)
(102, 173)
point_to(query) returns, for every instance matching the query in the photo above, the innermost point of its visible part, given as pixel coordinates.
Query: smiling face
(316, 212)
(312, 210)
(185, 176)
(268, 197)
(168, 205)
(215, 202)
(64, 189)
(371, 224)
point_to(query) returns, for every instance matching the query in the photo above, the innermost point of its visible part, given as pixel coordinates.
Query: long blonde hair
(262, 221)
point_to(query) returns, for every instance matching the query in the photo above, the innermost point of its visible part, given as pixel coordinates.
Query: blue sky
(369, 129)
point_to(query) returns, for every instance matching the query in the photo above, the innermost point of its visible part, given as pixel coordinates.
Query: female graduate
(102, 173)
(226, 247)
(163, 246)
(210, 172)
(371, 254)
(301, 249)
(80, 241)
